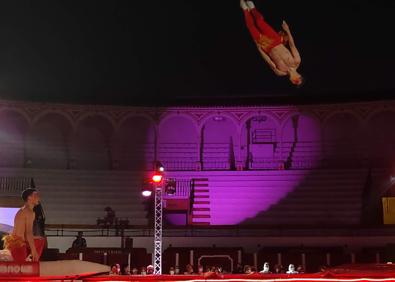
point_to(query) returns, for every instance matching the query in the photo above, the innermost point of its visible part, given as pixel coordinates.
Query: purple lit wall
(237, 198)
(178, 142)
(188, 138)
(258, 161)
(219, 135)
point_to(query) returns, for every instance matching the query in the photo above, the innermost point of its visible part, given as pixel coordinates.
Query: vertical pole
(158, 230)
(304, 261)
(177, 260)
(191, 257)
(105, 258)
(352, 257)
(328, 259)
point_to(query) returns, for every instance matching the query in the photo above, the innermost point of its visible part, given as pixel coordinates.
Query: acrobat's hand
(35, 256)
(285, 26)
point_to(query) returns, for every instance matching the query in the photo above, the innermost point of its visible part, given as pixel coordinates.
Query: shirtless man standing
(284, 61)
(21, 242)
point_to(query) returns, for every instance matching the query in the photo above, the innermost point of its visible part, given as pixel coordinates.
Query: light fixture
(146, 193)
(159, 167)
(146, 189)
(157, 178)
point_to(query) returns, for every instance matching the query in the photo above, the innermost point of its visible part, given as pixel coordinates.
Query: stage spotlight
(146, 193)
(146, 189)
(157, 178)
(159, 167)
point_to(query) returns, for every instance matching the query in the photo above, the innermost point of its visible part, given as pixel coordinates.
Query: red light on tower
(157, 178)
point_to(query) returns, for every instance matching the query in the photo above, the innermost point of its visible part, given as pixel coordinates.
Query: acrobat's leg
(262, 25)
(19, 253)
(249, 19)
(39, 244)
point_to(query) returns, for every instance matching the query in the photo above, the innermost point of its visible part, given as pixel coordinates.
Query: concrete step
(203, 206)
(201, 190)
(201, 193)
(200, 220)
(201, 223)
(200, 212)
(200, 209)
(201, 196)
(200, 185)
(201, 216)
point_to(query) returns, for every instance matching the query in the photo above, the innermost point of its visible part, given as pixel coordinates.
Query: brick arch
(274, 122)
(134, 144)
(20, 112)
(260, 139)
(381, 123)
(14, 125)
(106, 117)
(380, 137)
(336, 113)
(260, 113)
(62, 114)
(91, 144)
(178, 142)
(301, 148)
(378, 112)
(133, 115)
(343, 126)
(227, 115)
(306, 133)
(219, 137)
(342, 132)
(167, 116)
(48, 140)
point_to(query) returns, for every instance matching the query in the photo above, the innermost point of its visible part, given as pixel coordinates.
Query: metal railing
(180, 164)
(183, 189)
(229, 231)
(13, 186)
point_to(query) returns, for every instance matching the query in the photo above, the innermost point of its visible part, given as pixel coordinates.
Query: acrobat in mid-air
(277, 48)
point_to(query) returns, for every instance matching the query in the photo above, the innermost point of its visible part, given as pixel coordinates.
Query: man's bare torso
(283, 58)
(20, 221)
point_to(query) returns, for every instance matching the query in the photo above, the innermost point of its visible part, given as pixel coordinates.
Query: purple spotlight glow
(7, 216)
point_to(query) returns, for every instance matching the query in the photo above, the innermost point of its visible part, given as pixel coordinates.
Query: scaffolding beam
(157, 259)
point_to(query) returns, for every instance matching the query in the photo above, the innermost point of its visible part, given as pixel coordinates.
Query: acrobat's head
(295, 77)
(30, 196)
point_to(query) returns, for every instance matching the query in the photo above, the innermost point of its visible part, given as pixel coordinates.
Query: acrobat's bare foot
(250, 5)
(243, 5)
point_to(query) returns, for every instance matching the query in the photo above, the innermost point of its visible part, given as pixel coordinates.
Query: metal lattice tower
(158, 231)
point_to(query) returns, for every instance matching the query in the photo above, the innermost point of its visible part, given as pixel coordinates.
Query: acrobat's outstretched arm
(271, 64)
(292, 46)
